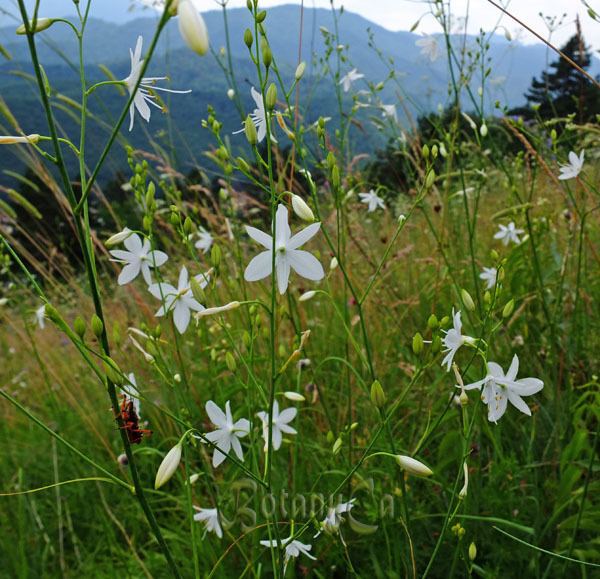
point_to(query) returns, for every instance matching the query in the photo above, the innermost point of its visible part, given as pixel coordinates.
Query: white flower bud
(301, 209)
(294, 396)
(218, 310)
(10, 140)
(177, 378)
(470, 121)
(118, 237)
(300, 70)
(168, 466)
(463, 492)
(230, 94)
(193, 479)
(40, 24)
(413, 466)
(309, 295)
(3, 301)
(333, 263)
(192, 27)
(483, 130)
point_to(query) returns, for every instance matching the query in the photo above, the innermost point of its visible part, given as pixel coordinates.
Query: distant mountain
(422, 83)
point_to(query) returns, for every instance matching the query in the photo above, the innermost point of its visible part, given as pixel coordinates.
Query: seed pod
(248, 38)
(197, 290)
(378, 397)
(97, 326)
(271, 96)
(417, 343)
(508, 309)
(250, 131)
(467, 300)
(260, 17)
(215, 256)
(230, 362)
(300, 70)
(432, 322)
(472, 551)
(267, 55)
(79, 326)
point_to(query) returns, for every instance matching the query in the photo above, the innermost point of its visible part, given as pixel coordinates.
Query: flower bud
(301, 209)
(467, 300)
(168, 466)
(230, 362)
(97, 326)
(118, 237)
(194, 478)
(413, 466)
(436, 344)
(230, 94)
(378, 397)
(417, 343)
(261, 16)
(192, 27)
(307, 296)
(51, 313)
(242, 165)
(472, 551)
(294, 396)
(188, 226)
(483, 130)
(337, 446)
(197, 290)
(248, 38)
(432, 322)
(250, 131)
(79, 327)
(333, 263)
(267, 55)
(271, 96)
(508, 309)
(177, 378)
(425, 151)
(218, 310)
(113, 373)
(40, 24)
(215, 256)
(430, 179)
(10, 140)
(300, 70)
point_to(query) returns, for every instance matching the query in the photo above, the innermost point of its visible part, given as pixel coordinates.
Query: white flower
(40, 317)
(258, 117)
(573, 168)
(499, 389)
(204, 241)
(389, 111)
(293, 548)
(143, 95)
(429, 47)
(192, 27)
(130, 390)
(453, 340)
(210, 518)
(489, 275)
(280, 424)
(372, 200)
(179, 299)
(334, 519)
(287, 254)
(139, 257)
(227, 434)
(508, 233)
(347, 80)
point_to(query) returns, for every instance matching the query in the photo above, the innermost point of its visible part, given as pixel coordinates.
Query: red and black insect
(131, 421)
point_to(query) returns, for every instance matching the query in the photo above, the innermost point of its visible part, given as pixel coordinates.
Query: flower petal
(129, 273)
(282, 227)
(260, 237)
(518, 403)
(305, 264)
(282, 265)
(303, 236)
(181, 316)
(259, 267)
(216, 415)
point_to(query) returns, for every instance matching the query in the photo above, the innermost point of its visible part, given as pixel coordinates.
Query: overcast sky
(392, 14)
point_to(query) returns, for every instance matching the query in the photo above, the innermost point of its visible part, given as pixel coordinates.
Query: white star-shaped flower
(204, 241)
(139, 257)
(130, 390)
(489, 275)
(281, 422)
(40, 317)
(508, 233)
(210, 519)
(347, 80)
(372, 200)
(180, 299)
(574, 166)
(143, 95)
(498, 389)
(389, 111)
(227, 434)
(288, 256)
(293, 548)
(453, 340)
(259, 117)
(334, 519)
(429, 47)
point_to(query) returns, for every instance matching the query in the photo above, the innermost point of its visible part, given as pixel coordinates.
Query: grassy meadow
(361, 379)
